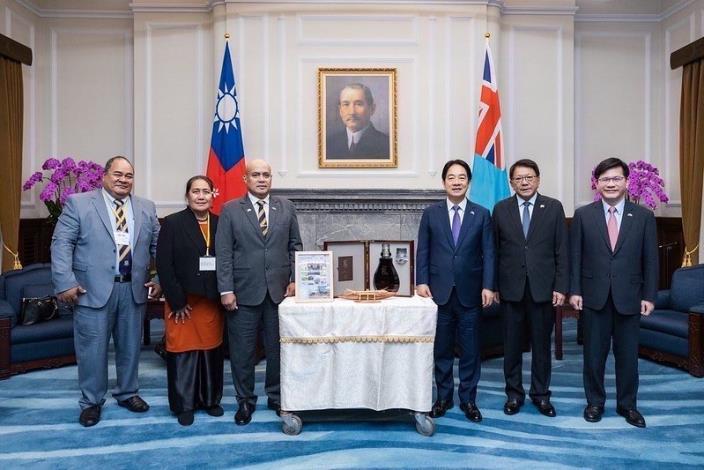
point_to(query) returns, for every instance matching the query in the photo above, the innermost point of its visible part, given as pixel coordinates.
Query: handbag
(38, 309)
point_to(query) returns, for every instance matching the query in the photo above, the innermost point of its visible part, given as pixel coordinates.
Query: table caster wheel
(424, 424)
(292, 424)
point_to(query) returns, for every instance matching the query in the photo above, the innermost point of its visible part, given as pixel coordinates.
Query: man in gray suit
(613, 281)
(255, 247)
(100, 254)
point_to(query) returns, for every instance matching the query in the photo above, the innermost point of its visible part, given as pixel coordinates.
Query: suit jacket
(541, 258)
(373, 144)
(249, 263)
(469, 266)
(181, 244)
(83, 248)
(630, 273)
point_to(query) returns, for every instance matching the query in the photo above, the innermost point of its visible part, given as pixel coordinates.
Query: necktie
(353, 146)
(456, 224)
(526, 218)
(262, 218)
(612, 226)
(125, 254)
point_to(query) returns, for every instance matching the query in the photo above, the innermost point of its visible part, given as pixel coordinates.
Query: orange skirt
(202, 331)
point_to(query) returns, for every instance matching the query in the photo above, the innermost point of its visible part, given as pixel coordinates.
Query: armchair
(674, 332)
(42, 345)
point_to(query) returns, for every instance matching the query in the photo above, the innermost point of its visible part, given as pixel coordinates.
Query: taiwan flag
(489, 178)
(226, 163)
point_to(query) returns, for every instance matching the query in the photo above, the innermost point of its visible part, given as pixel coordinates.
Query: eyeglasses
(527, 179)
(613, 179)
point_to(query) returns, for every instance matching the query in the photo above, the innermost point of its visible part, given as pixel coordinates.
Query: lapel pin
(629, 214)
(542, 206)
(273, 207)
(249, 210)
(471, 212)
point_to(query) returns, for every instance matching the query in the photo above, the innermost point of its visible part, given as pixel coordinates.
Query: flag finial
(227, 35)
(487, 35)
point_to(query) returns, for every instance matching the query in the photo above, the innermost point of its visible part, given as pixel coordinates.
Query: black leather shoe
(633, 417)
(215, 411)
(135, 404)
(592, 413)
(185, 418)
(274, 405)
(471, 412)
(244, 413)
(90, 416)
(512, 406)
(440, 407)
(545, 407)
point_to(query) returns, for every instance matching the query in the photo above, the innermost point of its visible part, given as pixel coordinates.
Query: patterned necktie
(526, 218)
(612, 225)
(261, 215)
(456, 224)
(124, 251)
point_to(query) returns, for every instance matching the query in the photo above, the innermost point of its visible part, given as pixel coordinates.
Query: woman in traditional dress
(185, 261)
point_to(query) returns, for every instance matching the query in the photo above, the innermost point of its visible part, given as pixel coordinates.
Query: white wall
(140, 78)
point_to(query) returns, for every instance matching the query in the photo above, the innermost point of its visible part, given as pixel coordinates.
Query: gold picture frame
(352, 132)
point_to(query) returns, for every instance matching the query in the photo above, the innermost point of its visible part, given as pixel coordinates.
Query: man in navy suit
(613, 280)
(455, 266)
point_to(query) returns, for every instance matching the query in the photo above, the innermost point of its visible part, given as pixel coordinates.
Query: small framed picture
(313, 276)
(349, 265)
(357, 118)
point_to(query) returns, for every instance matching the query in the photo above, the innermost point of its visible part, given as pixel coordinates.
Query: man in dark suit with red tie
(455, 266)
(531, 241)
(613, 280)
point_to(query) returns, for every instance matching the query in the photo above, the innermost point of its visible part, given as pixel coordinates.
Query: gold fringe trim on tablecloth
(357, 339)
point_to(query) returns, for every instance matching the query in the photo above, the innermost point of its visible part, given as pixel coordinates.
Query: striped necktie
(124, 251)
(261, 215)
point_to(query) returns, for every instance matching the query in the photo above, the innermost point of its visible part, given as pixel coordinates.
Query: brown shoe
(135, 404)
(90, 416)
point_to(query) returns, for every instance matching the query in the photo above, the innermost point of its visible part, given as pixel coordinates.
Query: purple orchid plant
(644, 185)
(67, 177)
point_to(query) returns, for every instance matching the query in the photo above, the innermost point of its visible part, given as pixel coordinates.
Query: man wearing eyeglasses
(531, 241)
(100, 254)
(613, 280)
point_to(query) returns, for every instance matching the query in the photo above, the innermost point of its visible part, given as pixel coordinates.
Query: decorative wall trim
(353, 200)
(371, 40)
(632, 17)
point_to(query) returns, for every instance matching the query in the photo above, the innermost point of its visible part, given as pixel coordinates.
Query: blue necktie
(526, 218)
(456, 224)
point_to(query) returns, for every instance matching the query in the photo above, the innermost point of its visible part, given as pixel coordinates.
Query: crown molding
(632, 17)
(69, 13)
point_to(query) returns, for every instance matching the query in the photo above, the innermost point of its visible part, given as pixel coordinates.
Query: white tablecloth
(344, 354)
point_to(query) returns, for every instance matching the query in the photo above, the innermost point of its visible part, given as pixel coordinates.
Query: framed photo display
(357, 118)
(355, 263)
(313, 276)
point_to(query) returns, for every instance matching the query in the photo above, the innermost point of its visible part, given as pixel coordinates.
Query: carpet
(39, 428)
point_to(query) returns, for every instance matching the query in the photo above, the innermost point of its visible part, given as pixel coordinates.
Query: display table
(343, 354)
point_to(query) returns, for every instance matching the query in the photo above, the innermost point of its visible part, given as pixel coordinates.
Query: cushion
(660, 341)
(687, 288)
(34, 274)
(61, 327)
(37, 290)
(670, 322)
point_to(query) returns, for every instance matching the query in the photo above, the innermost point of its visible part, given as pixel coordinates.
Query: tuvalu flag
(226, 162)
(489, 178)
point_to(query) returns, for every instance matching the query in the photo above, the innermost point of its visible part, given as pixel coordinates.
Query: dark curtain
(11, 119)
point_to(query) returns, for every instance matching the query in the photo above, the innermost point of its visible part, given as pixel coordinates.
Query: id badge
(207, 263)
(122, 238)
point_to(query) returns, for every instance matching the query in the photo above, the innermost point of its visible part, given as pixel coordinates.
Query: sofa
(41, 345)
(673, 333)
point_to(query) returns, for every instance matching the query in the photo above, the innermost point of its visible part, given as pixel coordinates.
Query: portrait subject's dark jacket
(373, 144)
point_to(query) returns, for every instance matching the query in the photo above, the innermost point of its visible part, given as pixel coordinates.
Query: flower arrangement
(644, 184)
(67, 177)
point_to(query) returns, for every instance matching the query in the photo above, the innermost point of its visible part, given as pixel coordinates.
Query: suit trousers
(195, 379)
(456, 321)
(535, 319)
(122, 319)
(600, 326)
(242, 329)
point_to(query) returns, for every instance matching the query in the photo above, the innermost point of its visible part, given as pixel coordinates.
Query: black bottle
(386, 276)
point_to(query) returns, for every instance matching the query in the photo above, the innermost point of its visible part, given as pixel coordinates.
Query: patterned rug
(39, 428)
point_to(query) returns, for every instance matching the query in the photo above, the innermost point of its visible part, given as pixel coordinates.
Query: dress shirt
(530, 206)
(619, 211)
(451, 212)
(354, 137)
